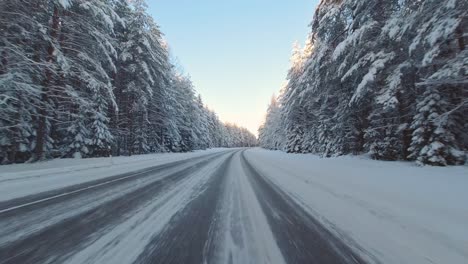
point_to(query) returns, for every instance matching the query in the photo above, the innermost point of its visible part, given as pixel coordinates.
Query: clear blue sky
(236, 52)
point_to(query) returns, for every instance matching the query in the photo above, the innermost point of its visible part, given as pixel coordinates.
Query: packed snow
(245, 236)
(20, 180)
(388, 212)
(139, 229)
(391, 212)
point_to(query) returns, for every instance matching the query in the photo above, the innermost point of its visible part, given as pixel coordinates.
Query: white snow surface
(21, 180)
(391, 212)
(245, 235)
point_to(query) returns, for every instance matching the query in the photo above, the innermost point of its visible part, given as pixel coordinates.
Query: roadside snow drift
(20, 180)
(392, 212)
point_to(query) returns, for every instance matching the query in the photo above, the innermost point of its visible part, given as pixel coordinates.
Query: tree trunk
(3, 63)
(42, 119)
(115, 113)
(461, 38)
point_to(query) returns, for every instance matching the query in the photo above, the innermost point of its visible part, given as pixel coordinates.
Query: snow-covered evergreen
(388, 78)
(433, 139)
(93, 79)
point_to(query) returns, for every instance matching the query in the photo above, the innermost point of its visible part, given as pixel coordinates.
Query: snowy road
(213, 208)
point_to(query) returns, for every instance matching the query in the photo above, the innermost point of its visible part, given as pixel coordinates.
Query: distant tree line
(93, 78)
(388, 78)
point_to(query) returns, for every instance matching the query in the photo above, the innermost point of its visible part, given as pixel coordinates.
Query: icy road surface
(210, 208)
(233, 206)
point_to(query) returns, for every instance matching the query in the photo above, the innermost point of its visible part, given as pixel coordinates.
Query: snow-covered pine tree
(19, 92)
(293, 110)
(101, 138)
(136, 79)
(361, 62)
(271, 132)
(77, 77)
(359, 87)
(186, 114)
(86, 42)
(215, 128)
(201, 124)
(434, 142)
(77, 137)
(383, 136)
(439, 50)
(50, 13)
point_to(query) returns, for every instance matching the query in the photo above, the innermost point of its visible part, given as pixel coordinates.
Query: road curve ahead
(215, 208)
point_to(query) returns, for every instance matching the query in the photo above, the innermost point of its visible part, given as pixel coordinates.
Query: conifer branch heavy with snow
(388, 78)
(93, 78)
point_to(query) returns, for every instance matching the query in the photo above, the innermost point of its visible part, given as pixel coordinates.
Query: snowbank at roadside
(394, 212)
(19, 180)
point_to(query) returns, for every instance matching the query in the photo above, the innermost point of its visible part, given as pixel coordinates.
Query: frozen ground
(20, 180)
(394, 212)
(232, 206)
